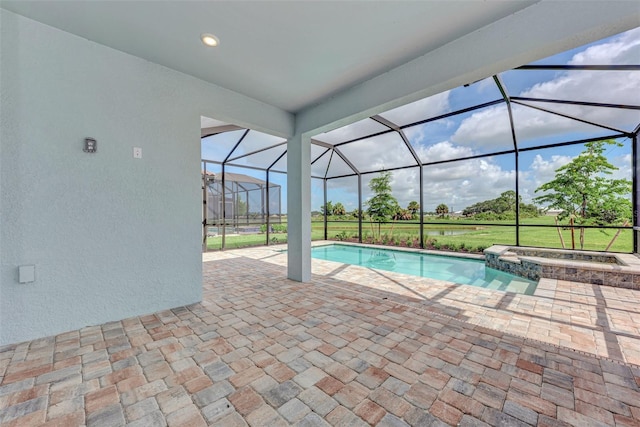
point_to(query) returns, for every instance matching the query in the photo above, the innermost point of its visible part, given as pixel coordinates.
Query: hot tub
(599, 268)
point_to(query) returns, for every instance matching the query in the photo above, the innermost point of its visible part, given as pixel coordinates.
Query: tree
(402, 214)
(413, 207)
(241, 207)
(442, 210)
(382, 206)
(503, 205)
(338, 209)
(328, 209)
(582, 191)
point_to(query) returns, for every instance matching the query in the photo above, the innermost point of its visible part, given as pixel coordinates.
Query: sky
(462, 183)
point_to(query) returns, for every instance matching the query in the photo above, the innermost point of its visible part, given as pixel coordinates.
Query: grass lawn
(474, 236)
(245, 240)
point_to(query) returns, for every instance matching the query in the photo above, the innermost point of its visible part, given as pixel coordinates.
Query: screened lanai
(239, 204)
(506, 134)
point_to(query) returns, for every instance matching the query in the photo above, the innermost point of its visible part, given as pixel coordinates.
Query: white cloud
(540, 171)
(618, 87)
(490, 127)
(546, 169)
(615, 87)
(382, 152)
(461, 184)
(487, 128)
(624, 165)
(444, 150)
(419, 110)
(623, 49)
(424, 134)
(543, 169)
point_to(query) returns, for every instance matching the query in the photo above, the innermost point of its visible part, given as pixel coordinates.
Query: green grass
(481, 236)
(245, 240)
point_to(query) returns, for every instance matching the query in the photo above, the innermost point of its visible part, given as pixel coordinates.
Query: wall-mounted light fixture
(90, 145)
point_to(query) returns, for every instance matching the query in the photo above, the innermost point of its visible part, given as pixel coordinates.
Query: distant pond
(445, 232)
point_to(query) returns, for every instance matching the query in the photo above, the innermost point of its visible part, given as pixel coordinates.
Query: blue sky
(463, 183)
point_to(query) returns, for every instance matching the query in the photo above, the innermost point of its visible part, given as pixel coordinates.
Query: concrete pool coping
(400, 248)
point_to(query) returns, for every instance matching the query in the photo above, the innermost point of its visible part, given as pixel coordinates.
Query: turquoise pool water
(463, 271)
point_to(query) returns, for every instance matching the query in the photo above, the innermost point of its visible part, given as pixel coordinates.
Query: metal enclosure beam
(359, 208)
(567, 116)
(505, 94)
(398, 129)
(205, 212)
(324, 186)
(636, 197)
(269, 197)
(268, 209)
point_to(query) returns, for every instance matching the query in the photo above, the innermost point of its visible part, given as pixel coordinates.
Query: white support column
(299, 208)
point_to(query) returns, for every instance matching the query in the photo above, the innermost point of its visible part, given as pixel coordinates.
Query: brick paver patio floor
(352, 347)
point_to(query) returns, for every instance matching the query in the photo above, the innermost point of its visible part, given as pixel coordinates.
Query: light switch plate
(137, 152)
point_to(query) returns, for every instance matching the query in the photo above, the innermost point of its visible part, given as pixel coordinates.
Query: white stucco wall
(111, 236)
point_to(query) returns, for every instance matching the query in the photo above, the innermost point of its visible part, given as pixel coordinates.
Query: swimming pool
(459, 270)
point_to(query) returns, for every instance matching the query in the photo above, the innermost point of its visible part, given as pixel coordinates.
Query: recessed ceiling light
(209, 39)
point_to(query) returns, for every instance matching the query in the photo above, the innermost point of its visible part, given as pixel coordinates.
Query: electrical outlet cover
(27, 273)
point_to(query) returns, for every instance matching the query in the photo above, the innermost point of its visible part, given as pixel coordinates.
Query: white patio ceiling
(319, 65)
(284, 53)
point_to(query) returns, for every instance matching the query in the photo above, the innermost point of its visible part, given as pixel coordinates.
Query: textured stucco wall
(111, 236)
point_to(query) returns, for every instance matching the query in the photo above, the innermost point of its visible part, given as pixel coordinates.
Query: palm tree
(338, 209)
(413, 207)
(442, 210)
(402, 214)
(327, 209)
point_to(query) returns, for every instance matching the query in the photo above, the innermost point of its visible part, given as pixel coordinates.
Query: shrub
(341, 235)
(279, 228)
(275, 228)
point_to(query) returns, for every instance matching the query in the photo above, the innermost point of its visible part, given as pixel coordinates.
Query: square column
(299, 208)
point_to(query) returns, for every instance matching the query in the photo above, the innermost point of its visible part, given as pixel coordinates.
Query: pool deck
(353, 347)
(600, 320)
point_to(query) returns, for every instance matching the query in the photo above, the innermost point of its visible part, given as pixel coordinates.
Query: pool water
(463, 271)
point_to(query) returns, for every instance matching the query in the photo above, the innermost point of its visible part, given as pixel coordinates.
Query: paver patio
(352, 347)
